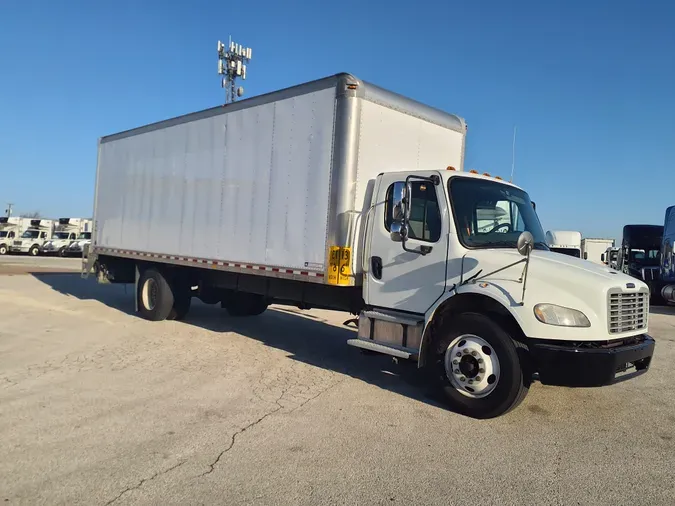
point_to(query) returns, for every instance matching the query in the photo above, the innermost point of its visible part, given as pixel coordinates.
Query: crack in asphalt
(144, 480)
(213, 465)
(279, 407)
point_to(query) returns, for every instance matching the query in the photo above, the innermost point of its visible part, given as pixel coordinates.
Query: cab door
(411, 280)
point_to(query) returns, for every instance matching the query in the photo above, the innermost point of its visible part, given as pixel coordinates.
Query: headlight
(560, 316)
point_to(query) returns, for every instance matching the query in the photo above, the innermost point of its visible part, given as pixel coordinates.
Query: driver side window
(425, 215)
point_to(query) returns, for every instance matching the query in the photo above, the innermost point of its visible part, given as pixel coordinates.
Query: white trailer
(66, 231)
(339, 194)
(32, 240)
(566, 242)
(11, 228)
(593, 250)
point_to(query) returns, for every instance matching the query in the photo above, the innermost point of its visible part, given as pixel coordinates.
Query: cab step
(367, 344)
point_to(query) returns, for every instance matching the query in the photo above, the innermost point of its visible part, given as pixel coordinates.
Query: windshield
(31, 234)
(648, 257)
(493, 215)
(573, 252)
(85, 235)
(61, 235)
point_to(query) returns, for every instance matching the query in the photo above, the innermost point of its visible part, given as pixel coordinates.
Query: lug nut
(455, 361)
(477, 378)
(481, 370)
(456, 371)
(459, 354)
(470, 382)
(480, 360)
(473, 353)
(466, 350)
(462, 378)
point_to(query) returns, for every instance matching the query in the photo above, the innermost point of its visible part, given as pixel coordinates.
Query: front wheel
(475, 364)
(34, 251)
(3, 249)
(62, 252)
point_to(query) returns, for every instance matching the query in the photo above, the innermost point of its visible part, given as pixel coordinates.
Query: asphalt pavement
(100, 407)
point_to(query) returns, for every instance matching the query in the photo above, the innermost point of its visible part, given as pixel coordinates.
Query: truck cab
(453, 262)
(65, 233)
(32, 240)
(640, 252)
(10, 229)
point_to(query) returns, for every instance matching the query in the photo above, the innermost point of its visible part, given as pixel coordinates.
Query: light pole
(232, 63)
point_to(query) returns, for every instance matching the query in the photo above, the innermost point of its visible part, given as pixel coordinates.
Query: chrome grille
(627, 312)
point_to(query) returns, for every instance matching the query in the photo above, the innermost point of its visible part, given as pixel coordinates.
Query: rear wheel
(245, 304)
(154, 296)
(182, 300)
(475, 364)
(62, 252)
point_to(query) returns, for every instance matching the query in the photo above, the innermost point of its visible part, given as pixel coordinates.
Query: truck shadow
(306, 337)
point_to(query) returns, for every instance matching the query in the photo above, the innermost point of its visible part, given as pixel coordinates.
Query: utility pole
(8, 211)
(232, 64)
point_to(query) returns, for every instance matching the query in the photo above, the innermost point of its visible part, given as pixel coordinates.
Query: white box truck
(338, 194)
(566, 242)
(66, 231)
(31, 241)
(11, 228)
(593, 250)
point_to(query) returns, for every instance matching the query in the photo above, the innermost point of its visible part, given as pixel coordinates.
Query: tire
(181, 304)
(154, 296)
(62, 252)
(34, 250)
(245, 304)
(3, 249)
(473, 344)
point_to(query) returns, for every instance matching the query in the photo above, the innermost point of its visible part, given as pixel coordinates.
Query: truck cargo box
(270, 184)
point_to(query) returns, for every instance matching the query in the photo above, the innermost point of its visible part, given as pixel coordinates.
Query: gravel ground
(100, 407)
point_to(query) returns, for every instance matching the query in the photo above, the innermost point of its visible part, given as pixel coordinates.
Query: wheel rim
(3, 250)
(34, 252)
(149, 294)
(472, 366)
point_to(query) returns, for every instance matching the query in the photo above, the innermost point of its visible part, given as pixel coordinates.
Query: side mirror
(585, 256)
(399, 226)
(399, 232)
(525, 243)
(602, 258)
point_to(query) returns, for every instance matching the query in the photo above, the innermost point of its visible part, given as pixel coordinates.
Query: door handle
(376, 267)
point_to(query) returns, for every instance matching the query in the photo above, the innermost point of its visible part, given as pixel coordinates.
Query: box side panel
(247, 186)
(392, 141)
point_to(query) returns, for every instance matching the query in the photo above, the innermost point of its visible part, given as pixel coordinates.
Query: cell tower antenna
(232, 63)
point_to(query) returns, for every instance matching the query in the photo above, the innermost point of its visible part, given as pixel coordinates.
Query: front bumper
(19, 249)
(592, 365)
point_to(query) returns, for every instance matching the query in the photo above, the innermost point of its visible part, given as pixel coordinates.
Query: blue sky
(590, 85)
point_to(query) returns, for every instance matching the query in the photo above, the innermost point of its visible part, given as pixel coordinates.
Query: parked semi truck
(32, 240)
(339, 194)
(80, 245)
(566, 242)
(667, 270)
(11, 228)
(610, 257)
(593, 249)
(66, 231)
(640, 251)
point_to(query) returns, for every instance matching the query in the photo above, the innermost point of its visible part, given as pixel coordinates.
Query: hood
(552, 278)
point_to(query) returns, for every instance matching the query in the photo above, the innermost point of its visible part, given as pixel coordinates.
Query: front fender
(487, 290)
